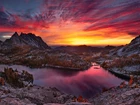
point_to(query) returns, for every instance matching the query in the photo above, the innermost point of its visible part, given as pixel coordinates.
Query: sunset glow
(72, 22)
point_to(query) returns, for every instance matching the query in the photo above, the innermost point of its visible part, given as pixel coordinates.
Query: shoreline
(120, 75)
(64, 68)
(50, 66)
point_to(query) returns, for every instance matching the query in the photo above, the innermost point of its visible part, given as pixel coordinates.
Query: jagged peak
(28, 39)
(138, 36)
(22, 33)
(15, 34)
(28, 34)
(136, 39)
(31, 34)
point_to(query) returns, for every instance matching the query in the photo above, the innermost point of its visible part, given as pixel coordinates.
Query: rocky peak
(15, 34)
(135, 40)
(15, 37)
(33, 40)
(16, 78)
(132, 48)
(25, 40)
(29, 34)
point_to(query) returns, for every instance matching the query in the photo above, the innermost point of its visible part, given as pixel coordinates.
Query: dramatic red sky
(72, 22)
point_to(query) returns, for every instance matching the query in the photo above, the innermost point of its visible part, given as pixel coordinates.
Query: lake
(86, 83)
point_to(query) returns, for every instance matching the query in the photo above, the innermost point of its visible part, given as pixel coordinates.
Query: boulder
(17, 79)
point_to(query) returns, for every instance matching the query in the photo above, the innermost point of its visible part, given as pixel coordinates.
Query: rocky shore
(121, 95)
(124, 66)
(34, 95)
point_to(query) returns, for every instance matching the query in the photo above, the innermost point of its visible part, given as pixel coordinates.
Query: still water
(86, 83)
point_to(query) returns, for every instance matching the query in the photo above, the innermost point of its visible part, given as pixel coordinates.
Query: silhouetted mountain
(24, 39)
(109, 47)
(83, 48)
(132, 48)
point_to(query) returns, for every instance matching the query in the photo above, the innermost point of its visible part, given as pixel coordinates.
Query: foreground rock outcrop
(34, 95)
(118, 96)
(16, 79)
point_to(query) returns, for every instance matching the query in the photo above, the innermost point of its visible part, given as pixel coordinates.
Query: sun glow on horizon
(74, 34)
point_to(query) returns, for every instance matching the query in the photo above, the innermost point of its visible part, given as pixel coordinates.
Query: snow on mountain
(132, 48)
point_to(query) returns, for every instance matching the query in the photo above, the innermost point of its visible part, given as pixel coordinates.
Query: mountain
(109, 47)
(24, 39)
(132, 48)
(83, 49)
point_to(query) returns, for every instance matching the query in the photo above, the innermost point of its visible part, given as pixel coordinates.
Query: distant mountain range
(132, 48)
(22, 40)
(84, 48)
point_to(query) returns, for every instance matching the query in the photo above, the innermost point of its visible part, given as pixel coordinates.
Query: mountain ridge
(132, 48)
(84, 48)
(24, 39)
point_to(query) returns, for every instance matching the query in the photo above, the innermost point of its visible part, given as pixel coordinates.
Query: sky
(72, 22)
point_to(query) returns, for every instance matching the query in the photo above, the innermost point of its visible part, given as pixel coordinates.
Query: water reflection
(86, 83)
